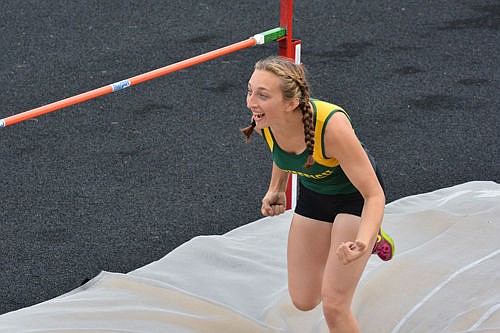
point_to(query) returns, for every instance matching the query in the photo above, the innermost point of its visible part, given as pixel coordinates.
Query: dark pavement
(118, 182)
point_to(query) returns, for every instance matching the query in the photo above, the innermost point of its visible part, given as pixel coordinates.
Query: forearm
(274, 202)
(371, 218)
(279, 180)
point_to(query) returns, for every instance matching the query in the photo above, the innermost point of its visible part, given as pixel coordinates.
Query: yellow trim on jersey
(269, 139)
(322, 113)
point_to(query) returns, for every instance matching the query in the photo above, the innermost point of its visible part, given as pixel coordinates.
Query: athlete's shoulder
(324, 106)
(323, 111)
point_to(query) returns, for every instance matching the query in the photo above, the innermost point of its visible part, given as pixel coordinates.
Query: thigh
(308, 248)
(339, 280)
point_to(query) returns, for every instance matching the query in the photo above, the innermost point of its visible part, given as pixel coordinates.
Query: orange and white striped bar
(258, 39)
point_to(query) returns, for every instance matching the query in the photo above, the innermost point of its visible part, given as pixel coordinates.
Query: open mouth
(258, 116)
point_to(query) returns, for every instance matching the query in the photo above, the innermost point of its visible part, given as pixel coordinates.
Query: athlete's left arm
(342, 143)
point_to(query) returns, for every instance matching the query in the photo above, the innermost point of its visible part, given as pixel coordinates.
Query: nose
(250, 101)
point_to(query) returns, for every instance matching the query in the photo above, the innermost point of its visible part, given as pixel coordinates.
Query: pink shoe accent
(384, 247)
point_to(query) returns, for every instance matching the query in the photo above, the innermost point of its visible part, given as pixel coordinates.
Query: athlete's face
(265, 98)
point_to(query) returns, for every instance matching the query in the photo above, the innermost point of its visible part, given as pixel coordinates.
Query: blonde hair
(293, 85)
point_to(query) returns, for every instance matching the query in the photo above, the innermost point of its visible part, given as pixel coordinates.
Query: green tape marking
(270, 35)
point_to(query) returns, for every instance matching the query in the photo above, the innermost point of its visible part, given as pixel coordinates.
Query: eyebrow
(259, 88)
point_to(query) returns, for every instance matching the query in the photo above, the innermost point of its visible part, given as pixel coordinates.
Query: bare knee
(305, 296)
(305, 303)
(334, 313)
(338, 314)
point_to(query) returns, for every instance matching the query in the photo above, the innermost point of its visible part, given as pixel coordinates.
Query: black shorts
(325, 207)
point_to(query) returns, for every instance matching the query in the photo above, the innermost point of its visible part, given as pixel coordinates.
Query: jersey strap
(323, 111)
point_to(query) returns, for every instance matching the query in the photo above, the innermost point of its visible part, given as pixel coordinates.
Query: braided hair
(293, 85)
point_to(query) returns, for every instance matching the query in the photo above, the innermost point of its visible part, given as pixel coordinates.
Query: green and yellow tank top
(325, 176)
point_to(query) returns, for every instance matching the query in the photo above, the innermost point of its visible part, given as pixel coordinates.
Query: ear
(293, 104)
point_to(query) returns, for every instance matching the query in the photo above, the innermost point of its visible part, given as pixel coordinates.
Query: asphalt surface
(118, 182)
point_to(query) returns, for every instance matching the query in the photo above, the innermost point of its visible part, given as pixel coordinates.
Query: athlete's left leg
(339, 280)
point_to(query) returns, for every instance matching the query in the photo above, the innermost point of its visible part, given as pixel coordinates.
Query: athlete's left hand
(347, 252)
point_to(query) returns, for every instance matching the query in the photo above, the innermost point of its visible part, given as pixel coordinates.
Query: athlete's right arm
(274, 202)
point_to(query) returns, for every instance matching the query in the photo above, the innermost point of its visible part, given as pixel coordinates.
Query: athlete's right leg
(308, 248)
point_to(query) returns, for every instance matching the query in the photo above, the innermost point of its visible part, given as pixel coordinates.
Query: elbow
(375, 197)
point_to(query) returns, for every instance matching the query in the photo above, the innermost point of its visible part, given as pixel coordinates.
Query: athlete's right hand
(273, 203)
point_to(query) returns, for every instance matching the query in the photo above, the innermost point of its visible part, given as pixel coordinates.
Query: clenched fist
(273, 203)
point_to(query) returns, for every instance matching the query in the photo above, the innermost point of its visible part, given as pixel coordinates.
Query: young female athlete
(336, 223)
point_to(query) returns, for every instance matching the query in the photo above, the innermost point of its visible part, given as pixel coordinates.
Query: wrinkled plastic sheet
(445, 277)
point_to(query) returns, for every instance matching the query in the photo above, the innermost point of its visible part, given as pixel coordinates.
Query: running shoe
(384, 247)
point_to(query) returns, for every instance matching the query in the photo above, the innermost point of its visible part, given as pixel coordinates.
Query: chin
(259, 126)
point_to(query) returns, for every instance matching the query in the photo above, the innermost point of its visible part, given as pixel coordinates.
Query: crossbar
(257, 39)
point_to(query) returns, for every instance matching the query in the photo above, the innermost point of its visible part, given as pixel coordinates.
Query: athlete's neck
(289, 133)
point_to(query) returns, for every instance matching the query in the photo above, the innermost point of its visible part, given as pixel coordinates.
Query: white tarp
(445, 277)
